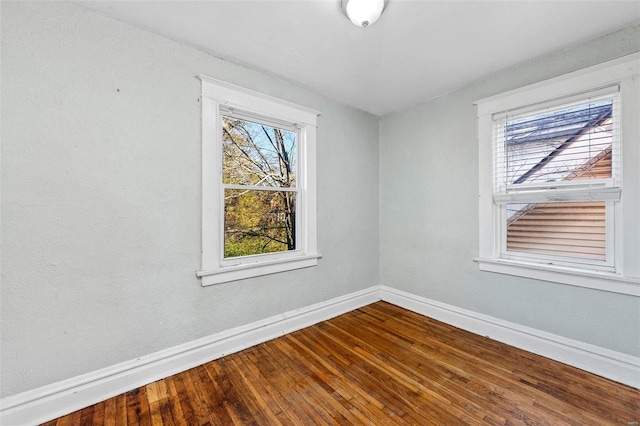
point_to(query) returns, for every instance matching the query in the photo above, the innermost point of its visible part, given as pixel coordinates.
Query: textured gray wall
(101, 197)
(429, 212)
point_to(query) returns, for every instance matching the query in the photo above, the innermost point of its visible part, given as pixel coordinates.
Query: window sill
(563, 275)
(249, 270)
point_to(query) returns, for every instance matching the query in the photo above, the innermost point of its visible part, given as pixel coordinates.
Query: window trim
(624, 72)
(219, 97)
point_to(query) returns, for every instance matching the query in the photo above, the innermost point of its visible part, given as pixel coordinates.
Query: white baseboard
(55, 400)
(613, 365)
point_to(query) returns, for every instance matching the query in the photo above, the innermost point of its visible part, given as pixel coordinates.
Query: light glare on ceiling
(363, 12)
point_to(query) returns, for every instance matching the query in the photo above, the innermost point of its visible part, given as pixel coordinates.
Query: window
(559, 181)
(259, 187)
(258, 201)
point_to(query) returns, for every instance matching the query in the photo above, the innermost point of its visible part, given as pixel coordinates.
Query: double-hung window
(559, 181)
(258, 201)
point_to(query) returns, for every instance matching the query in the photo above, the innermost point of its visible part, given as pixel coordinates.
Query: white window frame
(623, 276)
(220, 98)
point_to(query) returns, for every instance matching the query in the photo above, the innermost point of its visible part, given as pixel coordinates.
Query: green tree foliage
(258, 220)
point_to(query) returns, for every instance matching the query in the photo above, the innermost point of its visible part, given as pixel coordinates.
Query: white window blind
(566, 150)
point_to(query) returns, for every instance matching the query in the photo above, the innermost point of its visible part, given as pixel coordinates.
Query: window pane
(561, 144)
(258, 154)
(560, 229)
(257, 222)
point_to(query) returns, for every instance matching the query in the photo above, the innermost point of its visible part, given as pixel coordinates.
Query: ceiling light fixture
(363, 12)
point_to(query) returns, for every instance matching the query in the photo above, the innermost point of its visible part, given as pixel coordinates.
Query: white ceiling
(416, 51)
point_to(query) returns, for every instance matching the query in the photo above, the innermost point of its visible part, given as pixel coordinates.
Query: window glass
(544, 158)
(574, 230)
(560, 145)
(257, 222)
(258, 154)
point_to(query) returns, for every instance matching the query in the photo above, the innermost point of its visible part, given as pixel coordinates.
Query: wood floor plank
(86, 416)
(314, 350)
(481, 367)
(461, 398)
(167, 413)
(436, 405)
(212, 400)
(355, 376)
(294, 406)
(397, 395)
(353, 398)
(259, 409)
(377, 365)
(154, 396)
(262, 384)
(62, 421)
(138, 407)
(190, 414)
(236, 404)
(73, 418)
(510, 387)
(175, 407)
(298, 391)
(98, 413)
(109, 418)
(322, 392)
(462, 391)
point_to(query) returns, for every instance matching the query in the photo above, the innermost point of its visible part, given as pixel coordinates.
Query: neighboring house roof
(559, 142)
(567, 123)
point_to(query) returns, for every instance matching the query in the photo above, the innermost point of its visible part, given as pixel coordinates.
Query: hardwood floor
(377, 365)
